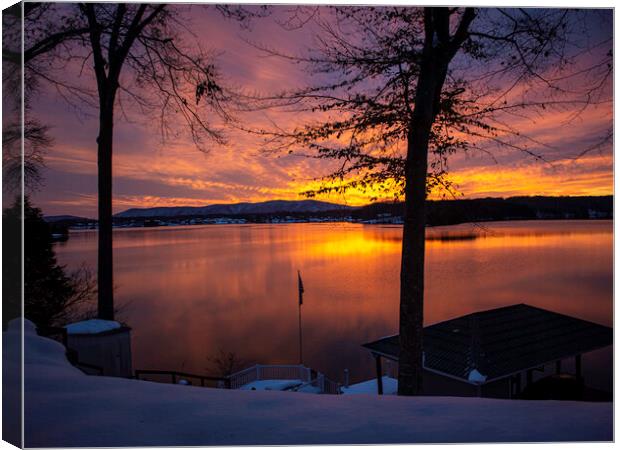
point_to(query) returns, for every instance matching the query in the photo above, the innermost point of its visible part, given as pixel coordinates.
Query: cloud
(148, 172)
(591, 175)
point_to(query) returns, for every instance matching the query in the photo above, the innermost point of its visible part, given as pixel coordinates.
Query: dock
(291, 378)
(260, 377)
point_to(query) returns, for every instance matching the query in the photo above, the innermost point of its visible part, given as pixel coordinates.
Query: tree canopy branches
(402, 89)
(138, 55)
(143, 51)
(504, 64)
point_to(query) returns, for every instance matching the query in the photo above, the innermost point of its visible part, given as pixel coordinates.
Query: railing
(324, 385)
(236, 380)
(202, 380)
(271, 372)
(330, 387)
(284, 372)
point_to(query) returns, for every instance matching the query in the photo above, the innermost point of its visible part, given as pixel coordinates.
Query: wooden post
(301, 355)
(578, 367)
(300, 288)
(558, 366)
(529, 377)
(579, 377)
(517, 384)
(379, 375)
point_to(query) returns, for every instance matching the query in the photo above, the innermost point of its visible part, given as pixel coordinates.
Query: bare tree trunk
(105, 255)
(412, 263)
(107, 71)
(433, 70)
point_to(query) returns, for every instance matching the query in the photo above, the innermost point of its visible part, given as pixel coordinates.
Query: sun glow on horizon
(150, 173)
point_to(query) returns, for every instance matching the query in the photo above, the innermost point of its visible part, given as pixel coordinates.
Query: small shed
(104, 344)
(486, 353)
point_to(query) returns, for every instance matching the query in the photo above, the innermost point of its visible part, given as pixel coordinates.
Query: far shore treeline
(451, 212)
(439, 212)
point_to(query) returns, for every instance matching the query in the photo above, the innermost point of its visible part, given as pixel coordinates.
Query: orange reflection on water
(190, 291)
(347, 244)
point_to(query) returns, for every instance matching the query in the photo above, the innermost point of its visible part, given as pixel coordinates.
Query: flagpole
(300, 288)
(300, 346)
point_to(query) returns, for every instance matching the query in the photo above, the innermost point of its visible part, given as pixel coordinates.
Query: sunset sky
(150, 173)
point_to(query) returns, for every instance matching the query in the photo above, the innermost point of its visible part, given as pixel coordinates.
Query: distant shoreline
(444, 211)
(163, 227)
(438, 212)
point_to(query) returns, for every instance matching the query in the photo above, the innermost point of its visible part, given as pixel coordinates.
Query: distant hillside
(438, 212)
(269, 207)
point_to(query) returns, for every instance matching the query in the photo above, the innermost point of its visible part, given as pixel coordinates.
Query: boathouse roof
(494, 344)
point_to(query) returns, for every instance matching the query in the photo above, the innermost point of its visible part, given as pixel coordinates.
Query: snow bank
(390, 387)
(281, 385)
(65, 408)
(92, 326)
(476, 377)
(270, 385)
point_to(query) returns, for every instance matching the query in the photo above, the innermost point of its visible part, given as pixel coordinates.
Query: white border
(483, 3)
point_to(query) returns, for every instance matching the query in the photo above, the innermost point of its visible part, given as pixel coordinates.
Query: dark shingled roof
(501, 342)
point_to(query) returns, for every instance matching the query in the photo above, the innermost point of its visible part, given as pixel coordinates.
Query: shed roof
(500, 342)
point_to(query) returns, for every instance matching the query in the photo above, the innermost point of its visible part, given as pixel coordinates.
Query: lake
(191, 292)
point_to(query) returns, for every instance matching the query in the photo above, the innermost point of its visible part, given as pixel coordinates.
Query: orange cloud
(591, 175)
(149, 173)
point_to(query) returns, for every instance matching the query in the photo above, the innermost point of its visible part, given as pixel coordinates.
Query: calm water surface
(190, 291)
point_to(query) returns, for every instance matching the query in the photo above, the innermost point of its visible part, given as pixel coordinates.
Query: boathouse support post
(320, 378)
(529, 375)
(578, 368)
(379, 375)
(558, 366)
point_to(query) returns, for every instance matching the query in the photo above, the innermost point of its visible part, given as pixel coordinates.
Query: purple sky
(150, 173)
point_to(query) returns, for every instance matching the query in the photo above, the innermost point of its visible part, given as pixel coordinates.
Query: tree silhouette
(401, 89)
(138, 53)
(41, 40)
(52, 297)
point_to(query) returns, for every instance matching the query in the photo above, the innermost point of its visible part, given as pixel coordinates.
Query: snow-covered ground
(281, 385)
(64, 408)
(270, 385)
(390, 387)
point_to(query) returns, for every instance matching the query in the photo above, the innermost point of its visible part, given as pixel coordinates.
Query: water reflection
(191, 291)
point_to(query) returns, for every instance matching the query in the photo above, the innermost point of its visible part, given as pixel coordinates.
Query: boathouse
(495, 353)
